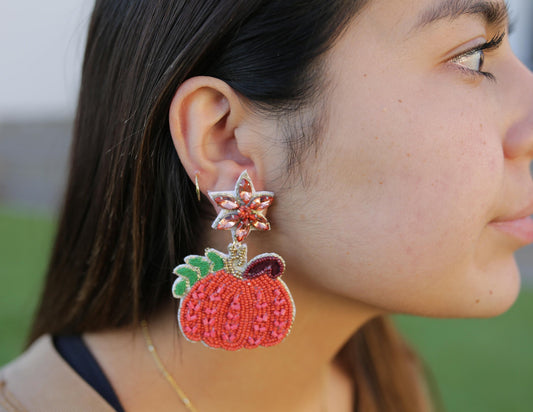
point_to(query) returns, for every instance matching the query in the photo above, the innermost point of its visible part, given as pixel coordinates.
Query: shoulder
(40, 380)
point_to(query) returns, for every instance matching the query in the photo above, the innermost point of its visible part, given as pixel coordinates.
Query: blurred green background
(481, 365)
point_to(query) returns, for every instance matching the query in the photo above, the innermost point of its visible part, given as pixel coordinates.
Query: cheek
(418, 169)
(402, 196)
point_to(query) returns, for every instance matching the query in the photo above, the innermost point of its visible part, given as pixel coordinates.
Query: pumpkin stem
(269, 264)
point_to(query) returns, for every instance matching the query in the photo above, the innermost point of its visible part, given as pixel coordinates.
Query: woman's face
(422, 154)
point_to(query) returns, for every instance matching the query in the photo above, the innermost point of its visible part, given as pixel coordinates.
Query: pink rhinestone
(242, 232)
(261, 202)
(227, 222)
(261, 223)
(245, 214)
(245, 190)
(227, 202)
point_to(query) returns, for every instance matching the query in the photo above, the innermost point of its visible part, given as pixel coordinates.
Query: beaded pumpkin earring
(226, 301)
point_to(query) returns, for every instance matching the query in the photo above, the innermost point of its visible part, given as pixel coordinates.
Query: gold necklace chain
(151, 348)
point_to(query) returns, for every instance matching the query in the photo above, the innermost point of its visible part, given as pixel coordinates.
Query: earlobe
(204, 117)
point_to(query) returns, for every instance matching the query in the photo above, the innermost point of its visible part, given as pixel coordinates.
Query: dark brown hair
(129, 209)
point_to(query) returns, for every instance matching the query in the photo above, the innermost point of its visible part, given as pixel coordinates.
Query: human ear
(207, 123)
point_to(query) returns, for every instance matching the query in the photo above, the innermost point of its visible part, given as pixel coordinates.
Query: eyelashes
(472, 61)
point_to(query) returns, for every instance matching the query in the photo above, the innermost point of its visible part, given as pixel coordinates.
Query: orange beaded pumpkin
(232, 313)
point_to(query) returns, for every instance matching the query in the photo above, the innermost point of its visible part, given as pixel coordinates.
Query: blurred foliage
(479, 364)
(25, 241)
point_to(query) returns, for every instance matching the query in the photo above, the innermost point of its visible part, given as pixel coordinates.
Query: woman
(396, 138)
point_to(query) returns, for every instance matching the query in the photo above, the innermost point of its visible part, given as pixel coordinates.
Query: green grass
(25, 241)
(483, 365)
(479, 364)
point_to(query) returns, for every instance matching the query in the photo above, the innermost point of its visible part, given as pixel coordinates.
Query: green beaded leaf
(216, 258)
(179, 288)
(188, 273)
(196, 268)
(201, 263)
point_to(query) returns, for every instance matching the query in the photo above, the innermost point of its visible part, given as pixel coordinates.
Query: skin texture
(418, 158)
(393, 212)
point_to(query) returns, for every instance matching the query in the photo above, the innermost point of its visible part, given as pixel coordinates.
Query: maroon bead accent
(270, 265)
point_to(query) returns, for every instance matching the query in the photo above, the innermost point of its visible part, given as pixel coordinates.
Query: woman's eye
(472, 60)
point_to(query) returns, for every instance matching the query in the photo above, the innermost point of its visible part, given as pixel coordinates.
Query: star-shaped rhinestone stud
(242, 210)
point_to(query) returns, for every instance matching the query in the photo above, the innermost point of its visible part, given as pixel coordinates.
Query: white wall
(41, 46)
(522, 37)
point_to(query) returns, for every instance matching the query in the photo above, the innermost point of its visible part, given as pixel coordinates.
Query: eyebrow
(494, 13)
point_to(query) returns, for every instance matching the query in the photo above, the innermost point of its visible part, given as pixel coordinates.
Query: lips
(519, 225)
(522, 229)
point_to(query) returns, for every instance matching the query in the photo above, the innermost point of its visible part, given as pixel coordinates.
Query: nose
(519, 137)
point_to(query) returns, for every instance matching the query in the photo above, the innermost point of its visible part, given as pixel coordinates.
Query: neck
(294, 375)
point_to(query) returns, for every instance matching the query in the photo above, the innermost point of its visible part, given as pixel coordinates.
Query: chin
(498, 292)
(483, 293)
